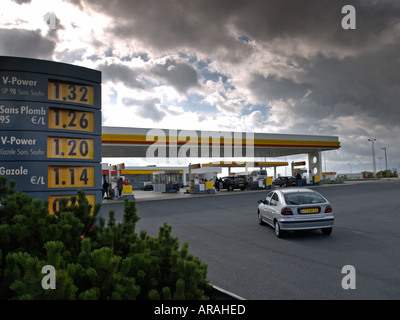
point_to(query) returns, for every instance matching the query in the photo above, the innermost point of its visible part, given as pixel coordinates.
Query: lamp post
(386, 172)
(373, 154)
(380, 165)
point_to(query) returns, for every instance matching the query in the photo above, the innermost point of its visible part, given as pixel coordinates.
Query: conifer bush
(93, 259)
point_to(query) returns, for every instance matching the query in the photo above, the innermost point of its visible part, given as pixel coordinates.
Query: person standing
(105, 188)
(120, 184)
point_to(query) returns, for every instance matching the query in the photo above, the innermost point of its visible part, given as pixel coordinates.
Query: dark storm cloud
(345, 67)
(120, 73)
(208, 25)
(317, 21)
(179, 75)
(173, 24)
(274, 87)
(25, 43)
(369, 82)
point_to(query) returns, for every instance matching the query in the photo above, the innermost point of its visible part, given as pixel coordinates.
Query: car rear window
(303, 198)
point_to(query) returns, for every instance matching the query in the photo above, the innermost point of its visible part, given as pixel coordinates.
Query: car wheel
(327, 231)
(279, 233)
(260, 221)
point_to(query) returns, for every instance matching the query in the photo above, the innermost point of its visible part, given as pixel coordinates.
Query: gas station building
(123, 142)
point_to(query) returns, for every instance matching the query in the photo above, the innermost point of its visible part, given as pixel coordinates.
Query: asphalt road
(250, 261)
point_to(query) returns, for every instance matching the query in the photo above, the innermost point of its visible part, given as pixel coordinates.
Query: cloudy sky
(275, 66)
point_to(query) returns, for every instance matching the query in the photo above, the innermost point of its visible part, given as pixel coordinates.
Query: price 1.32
(70, 177)
(70, 92)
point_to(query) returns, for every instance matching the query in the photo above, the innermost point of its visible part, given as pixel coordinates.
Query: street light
(386, 172)
(380, 165)
(373, 155)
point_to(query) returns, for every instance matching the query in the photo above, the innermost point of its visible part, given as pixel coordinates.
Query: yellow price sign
(127, 189)
(70, 148)
(68, 119)
(70, 177)
(54, 202)
(209, 185)
(70, 92)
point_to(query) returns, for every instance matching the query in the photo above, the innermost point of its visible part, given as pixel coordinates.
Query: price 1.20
(70, 148)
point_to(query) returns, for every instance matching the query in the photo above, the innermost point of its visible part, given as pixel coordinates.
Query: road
(250, 261)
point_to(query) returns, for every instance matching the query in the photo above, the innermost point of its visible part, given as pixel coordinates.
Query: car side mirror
(260, 201)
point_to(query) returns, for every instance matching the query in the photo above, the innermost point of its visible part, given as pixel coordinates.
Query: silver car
(295, 209)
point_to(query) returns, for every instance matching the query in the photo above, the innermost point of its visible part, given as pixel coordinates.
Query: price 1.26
(68, 119)
(70, 177)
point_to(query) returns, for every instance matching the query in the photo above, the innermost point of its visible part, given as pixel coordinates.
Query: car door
(272, 208)
(264, 206)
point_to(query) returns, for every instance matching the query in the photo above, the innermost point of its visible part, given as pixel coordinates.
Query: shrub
(93, 259)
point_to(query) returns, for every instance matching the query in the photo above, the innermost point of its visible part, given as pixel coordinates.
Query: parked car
(148, 186)
(231, 183)
(295, 209)
(285, 181)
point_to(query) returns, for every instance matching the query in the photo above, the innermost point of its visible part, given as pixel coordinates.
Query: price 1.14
(70, 177)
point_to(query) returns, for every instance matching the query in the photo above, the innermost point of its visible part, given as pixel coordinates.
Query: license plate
(313, 210)
(240, 184)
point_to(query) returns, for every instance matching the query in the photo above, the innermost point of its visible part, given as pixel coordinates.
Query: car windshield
(303, 198)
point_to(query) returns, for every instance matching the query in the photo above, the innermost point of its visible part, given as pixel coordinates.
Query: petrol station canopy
(135, 142)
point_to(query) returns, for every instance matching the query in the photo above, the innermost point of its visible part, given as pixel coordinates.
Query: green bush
(92, 259)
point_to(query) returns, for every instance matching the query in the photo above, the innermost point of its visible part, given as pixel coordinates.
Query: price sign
(68, 119)
(34, 116)
(53, 176)
(70, 148)
(70, 92)
(50, 128)
(19, 146)
(54, 202)
(70, 177)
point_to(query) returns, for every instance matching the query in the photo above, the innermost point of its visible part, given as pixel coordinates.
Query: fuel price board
(50, 128)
